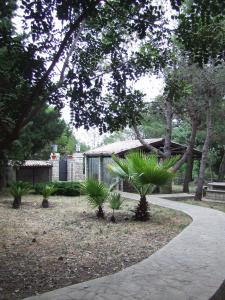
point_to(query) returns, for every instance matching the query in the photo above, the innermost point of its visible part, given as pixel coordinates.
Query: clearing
(45, 249)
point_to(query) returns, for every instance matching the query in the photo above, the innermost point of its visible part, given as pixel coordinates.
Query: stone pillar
(121, 186)
(11, 174)
(54, 159)
(86, 167)
(75, 167)
(100, 169)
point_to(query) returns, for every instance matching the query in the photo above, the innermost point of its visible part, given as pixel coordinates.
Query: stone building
(97, 160)
(65, 168)
(33, 171)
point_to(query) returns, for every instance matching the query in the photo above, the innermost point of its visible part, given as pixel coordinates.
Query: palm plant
(115, 203)
(142, 171)
(17, 190)
(97, 193)
(46, 192)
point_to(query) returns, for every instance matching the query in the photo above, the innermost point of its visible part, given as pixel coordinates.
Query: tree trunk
(100, 213)
(147, 146)
(141, 212)
(205, 150)
(168, 112)
(189, 156)
(222, 168)
(45, 203)
(113, 219)
(16, 203)
(167, 144)
(188, 173)
(3, 170)
(189, 149)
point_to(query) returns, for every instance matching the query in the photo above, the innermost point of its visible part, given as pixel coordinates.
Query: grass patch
(209, 204)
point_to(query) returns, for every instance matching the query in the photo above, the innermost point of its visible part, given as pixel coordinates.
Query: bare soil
(44, 249)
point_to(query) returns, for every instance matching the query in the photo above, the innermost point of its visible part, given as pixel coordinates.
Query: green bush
(67, 188)
(61, 188)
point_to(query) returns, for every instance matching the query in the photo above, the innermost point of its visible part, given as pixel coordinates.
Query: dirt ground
(44, 249)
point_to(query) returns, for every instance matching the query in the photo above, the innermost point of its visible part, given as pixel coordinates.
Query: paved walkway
(190, 267)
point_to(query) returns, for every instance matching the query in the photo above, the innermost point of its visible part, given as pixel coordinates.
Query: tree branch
(28, 113)
(189, 149)
(148, 146)
(72, 48)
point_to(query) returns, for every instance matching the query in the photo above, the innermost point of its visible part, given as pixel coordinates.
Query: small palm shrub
(38, 187)
(142, 171)
(97, 193)
(46, 192)
(17, 190)
(115, 203)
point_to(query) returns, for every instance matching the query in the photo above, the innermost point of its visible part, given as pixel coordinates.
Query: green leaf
(96, 192)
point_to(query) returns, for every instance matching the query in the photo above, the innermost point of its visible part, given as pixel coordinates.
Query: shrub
(38, 187)
(17, 190)
(115, 203)
(47, 191)
(61, 188)
(97, 193)
(67, 188)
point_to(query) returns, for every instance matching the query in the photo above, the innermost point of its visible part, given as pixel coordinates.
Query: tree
(213, 90)
(96, 29)
(89, 46)
(201, 31)
(201, 35)
(153, 122)
(142, 172)
(67, 142)
(36, 138)
(118, 136)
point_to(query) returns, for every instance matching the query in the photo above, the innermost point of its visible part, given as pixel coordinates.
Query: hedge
(64, 188)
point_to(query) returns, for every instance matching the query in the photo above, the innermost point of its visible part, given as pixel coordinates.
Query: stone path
(190, 267)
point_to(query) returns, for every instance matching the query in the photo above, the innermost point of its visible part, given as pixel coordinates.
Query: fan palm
(115, 202)
(97, 193)
(17, 190)
(46, 192)
(143, 172)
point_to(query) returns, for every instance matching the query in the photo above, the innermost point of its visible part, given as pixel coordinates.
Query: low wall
(215, 195)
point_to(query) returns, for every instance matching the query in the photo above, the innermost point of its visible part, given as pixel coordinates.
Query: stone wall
(75, 167)
(215, 195)
(55, 169)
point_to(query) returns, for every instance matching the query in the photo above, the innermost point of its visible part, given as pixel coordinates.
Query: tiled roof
(36, 163)
(118, 147)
